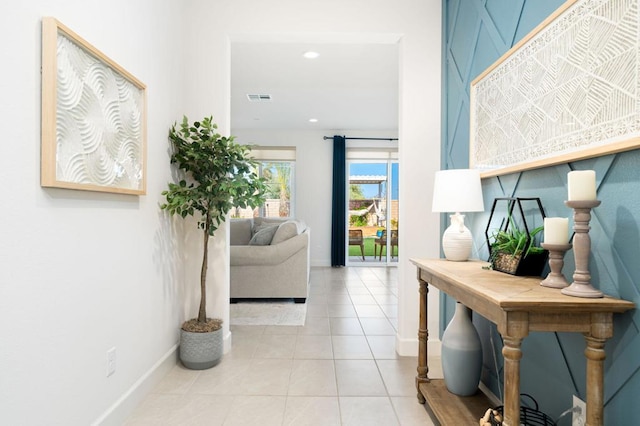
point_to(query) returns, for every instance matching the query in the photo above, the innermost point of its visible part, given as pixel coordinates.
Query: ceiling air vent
(259, 98)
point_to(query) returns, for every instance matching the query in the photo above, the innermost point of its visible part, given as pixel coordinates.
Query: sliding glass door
(373, 212)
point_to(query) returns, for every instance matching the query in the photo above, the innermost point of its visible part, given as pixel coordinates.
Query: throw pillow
(264, 236)
(285, 231)
(258, 228)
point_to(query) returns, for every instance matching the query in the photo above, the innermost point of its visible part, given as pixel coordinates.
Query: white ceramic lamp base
(457, 240)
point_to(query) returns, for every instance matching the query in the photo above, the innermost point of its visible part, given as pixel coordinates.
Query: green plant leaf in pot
(217, 174)
(514, 240)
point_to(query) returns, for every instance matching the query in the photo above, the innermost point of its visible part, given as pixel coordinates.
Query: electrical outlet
(111, 361)
(579, 416)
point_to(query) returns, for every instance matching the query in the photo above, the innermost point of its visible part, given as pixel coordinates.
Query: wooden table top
(471, 284)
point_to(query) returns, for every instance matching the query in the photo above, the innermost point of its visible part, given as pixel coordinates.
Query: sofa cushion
(263, 236)
(285, 231)
(259, 227)
(240, 232)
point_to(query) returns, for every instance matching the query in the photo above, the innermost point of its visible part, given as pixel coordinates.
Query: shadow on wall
(169, 262)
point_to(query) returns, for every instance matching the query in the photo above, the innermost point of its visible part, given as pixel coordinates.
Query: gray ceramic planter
(199, 351)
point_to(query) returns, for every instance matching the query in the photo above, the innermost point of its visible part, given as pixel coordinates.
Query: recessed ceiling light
(313, 120)
(311, 55)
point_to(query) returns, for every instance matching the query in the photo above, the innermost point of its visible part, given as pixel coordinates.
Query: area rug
(268, 313)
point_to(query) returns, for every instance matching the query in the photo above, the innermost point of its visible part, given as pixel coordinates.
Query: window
(277, 166)
(279, 176)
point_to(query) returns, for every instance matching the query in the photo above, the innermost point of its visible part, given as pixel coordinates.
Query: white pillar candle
(582, 185)
(556, 230)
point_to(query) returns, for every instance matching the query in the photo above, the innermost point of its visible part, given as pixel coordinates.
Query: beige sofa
(269, 259)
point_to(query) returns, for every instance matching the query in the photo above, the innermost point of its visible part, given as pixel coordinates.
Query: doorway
(372, 236)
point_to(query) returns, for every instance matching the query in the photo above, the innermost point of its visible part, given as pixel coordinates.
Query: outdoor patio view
(373, 212)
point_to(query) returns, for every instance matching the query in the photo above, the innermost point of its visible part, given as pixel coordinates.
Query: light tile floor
(340, 368)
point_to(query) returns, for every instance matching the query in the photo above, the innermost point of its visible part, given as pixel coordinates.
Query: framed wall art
(93, 117)
(569, 90)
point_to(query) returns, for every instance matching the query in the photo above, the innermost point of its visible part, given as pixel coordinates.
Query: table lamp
(457, 190)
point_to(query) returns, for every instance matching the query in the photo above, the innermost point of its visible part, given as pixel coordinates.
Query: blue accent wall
(477, 33)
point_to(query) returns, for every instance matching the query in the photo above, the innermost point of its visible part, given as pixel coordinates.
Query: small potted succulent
(217, 175)
(514, 250)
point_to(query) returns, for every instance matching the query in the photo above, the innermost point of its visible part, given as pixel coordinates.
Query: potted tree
(217, 175)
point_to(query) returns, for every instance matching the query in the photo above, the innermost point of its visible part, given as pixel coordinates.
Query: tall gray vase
(461, 353)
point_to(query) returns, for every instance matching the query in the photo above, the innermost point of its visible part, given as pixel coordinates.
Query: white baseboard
(409, 347)
(124, 406)
(406, 347)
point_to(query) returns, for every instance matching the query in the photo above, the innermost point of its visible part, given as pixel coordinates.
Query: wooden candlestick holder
(581, 285)
(555, 278)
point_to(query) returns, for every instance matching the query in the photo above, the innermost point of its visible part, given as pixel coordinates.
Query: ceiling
(348, 86)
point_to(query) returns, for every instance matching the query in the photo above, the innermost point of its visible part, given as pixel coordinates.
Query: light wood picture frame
(568, 91)
(93, 117)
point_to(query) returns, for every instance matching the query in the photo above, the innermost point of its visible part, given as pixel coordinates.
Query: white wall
(416, 24)
(82, 272)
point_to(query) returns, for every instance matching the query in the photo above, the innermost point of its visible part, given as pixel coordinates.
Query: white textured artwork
(99, 125)
(572, 86)
(93, 117)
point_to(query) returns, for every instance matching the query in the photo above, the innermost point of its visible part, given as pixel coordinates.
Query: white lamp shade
(457, 190)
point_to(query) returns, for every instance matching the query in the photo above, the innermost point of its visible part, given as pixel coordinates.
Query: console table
(517, 305)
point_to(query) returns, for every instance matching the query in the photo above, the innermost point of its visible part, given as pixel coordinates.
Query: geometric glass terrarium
(514, 245)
